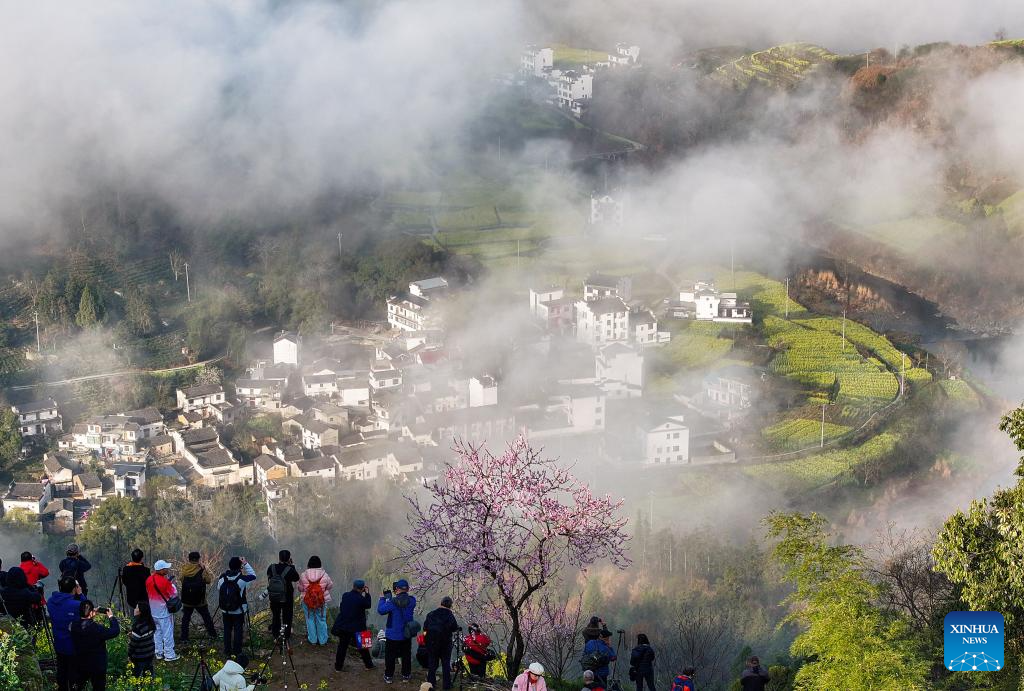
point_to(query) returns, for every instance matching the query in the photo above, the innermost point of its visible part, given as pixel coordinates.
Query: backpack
(230, 594)
(682, 683)
(314, 595)
(594, 661)
(193, 589)
(277, 586)
(411, 628)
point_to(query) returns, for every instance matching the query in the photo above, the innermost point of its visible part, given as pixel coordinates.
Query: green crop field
(911, 236)
(800, 433)
(960, 392)
(1012, 209)
(568, 57)
(811, 472)
(780, 66)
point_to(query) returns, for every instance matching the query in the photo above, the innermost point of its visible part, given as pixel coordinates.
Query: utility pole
(35, 315)
(903, 373)
(844, 331)
(787, 297)
(339, 246)
(517, 256)
(499, 148)
(188, 286)
(822, 446)
(732, 260)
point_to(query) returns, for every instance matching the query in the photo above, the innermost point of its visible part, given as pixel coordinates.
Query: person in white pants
(160, 589)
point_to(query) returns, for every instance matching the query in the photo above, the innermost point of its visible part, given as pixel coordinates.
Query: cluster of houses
(701, 301)
(352, 411)
(572, 89)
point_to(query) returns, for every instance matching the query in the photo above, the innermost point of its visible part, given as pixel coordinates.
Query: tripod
(613, 680)
(459, 670)
(118, 588)
(284, 649)
(202, 674)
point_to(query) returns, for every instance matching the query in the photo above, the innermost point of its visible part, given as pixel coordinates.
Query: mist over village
(511, 345)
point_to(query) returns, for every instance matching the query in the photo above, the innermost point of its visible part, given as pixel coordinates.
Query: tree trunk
(516, 648)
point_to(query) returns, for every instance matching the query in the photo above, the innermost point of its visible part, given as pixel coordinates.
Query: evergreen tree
(88, 309)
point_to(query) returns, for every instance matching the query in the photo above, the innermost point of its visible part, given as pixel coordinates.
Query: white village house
(606, 210)
(38, 417)
(575, 89)
(704, 302)
(30, 497)
(286, 349)
(535, 60)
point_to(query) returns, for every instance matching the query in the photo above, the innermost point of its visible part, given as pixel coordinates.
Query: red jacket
(476, 647)
(34, 570)
(166, 588)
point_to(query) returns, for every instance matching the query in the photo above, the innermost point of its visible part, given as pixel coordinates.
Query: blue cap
(401, 583)
(359, 584)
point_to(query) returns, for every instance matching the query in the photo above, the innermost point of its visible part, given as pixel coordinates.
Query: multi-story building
(703, 302)
(575, 89)
(30, 497)
(624, 54)
(38, 417)
(286, 349)
(535, 60)
(620, 370)
(663, 438)
(606, 210)
(602, 321)
(201, 398)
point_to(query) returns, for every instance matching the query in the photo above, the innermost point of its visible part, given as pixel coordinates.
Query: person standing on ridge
(195, 577)
(160, 590)
(400, 630)
(63, 609)
(315, 586)
(75, 565)
(134, 575)
(231, 602)
(351, 621)
(440, 626)
(281, 580)
(641, 660)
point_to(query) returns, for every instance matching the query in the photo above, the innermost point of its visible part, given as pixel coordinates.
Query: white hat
(537, 668)
(161, 564)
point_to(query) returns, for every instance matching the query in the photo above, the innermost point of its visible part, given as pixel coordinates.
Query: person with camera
(33, 569)
(161, 593)
(134, 575)
(401, 628)
(754, 677)
(592, 631)
(89, 638)
(598, 654)
(142, 640)
(441, 627)
(641, 663)
(195, 577)
(477, 646)
(532, 679)
(20, 600)
(231, 602)
(351, 621)
(63, 610)
(75, 565)
(281, 580)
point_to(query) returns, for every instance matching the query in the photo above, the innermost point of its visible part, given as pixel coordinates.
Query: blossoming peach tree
(508, 527)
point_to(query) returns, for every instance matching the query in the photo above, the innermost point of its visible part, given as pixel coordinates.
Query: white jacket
(230, 678)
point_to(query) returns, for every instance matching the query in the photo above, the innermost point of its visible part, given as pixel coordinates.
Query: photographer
(75, 566)
(440, 627)
(90, 641)
(160, 590)
(281, 580)
(400, 630)
(592, 631)
(194, 579)
(598, 654)
(231, 602)
(141, 640)
(63, 609)
(20, 600)
(351, 620)
(754, 677)
(641, 663)
(33, 569)
(477, 645)
(133, 577)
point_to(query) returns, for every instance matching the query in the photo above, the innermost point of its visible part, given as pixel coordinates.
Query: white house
(557, 314)
(574, 89)
(262, 394)
(597, 286)
(429, 287)
(664, 438)
(602, 321)
(129, 479)
(407, 312)
(200, 399)
(535, 60)
(643, 327)
(584, 405)
(318, 466)
(606, 210)
(38, 417)
(286, 349)
(539, 296)
(212, 463)
(320, 385)
(624, 54)
(354, 389)
(384, 376)
(704, 302)
(60, 468)
(31, 497)
(483, 390)
(619, 370)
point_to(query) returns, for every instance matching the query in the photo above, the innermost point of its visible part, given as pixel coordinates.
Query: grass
(911, 236)
(568, 57)
(1012, 209)
(811, 472)
(800, 433)
(779, 67)
(959, 392)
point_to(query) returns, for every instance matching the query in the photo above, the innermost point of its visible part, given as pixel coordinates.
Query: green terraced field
(811, 472)
(568, 57)
(960, 392)
(780, 67)
(800, 433)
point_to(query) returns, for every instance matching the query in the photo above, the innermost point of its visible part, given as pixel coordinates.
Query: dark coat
(440, 625)
(90, 641)
(754, 679)
(22, 601)
(352, 612)
(134, 576)
(642, 658)
(75, 568)
(63, 609)
(289, 573)
(141, 641)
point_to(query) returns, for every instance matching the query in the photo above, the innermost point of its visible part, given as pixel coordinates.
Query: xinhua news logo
(973, 641)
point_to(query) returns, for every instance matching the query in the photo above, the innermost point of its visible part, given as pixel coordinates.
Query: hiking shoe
(406, 679)
(171, 659)
(388, 680)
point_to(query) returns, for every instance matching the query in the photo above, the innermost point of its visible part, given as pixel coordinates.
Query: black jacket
(754, 679)
(352, 612)
(90, 641)
(439, 626)
(134, 576)
(76, 568)
(19, 599)
(141, 641)
(642, 658)
(289, 573)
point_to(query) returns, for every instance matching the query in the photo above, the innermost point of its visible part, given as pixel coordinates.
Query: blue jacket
(599, 646)
(63, 609)
(352, 612)
(399, 609)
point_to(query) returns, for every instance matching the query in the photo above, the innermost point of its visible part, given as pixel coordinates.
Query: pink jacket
(522, 683)
(314, 575)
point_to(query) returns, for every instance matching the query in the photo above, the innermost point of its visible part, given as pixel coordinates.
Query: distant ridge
(780, 67)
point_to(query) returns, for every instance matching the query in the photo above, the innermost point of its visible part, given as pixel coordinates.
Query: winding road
(122, 373)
